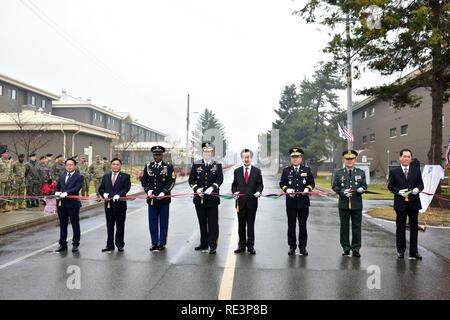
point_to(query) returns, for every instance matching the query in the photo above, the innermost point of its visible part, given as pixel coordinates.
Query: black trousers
(246, 219)
(115, 218)
(64, 215)
(208, 219)
(302, 216)
(413, 216)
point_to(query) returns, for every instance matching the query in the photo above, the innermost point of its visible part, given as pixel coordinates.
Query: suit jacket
(398, 181)
(255, 184)
(121, 188)
(297, 181)
(72, 187)
(203, 176)
(159, 180)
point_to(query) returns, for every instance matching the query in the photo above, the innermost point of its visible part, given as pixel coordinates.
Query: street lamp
(388, 162)
(187, 132)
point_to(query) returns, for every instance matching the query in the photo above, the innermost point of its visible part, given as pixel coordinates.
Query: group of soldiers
(19, 178)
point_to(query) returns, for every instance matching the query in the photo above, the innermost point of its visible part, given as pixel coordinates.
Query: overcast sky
(145, 56)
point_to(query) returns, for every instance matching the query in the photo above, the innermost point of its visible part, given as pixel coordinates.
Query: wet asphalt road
(30, 270)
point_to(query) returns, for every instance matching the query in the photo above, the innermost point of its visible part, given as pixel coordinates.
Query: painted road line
(226, 285)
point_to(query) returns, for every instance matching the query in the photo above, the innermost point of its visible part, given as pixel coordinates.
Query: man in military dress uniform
(297, 180)
(18, 170)
(83, 168)
(350, 183)
(5, 179)
(33, 180)
(58, 167)
(97, 171)
(158, 180)
(206, 178)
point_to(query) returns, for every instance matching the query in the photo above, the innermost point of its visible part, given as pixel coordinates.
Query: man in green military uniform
(106, 165)
(58, 167)
(33, 180)
(18, 171)
(5, 179)
(84, 171)
(350, 183)
(97, 171)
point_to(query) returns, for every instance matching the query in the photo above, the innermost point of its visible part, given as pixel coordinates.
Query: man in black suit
(115, 184)
(69, 184)
(405, 182)
(297, 181)
(247, 187)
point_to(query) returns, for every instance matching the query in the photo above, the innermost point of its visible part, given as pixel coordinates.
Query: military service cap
(158, 149)
(350, 154)
(293, 152)
(207, 146)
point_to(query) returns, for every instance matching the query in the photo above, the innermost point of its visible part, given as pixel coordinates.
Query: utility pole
(349, 82)
(187, 135)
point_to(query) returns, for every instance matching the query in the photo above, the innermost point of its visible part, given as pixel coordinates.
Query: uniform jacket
(297, 181)
(203, 176)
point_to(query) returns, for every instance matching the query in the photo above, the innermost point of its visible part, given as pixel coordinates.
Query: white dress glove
(415, 191)
(347, 193)
(200, 192)
(116, 198)
(161, 195)
(403, 193)
(63, 195)
(57, 193)
(306, 190)
(150, 193)
(209, 190)
(257, 194)
(360, 190)
(289, 190)
(105, 195)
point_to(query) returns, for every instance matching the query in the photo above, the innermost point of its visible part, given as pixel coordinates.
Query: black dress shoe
(252, 251)
(239, 250)
(415, 256)
(107, 249)
(120, 249)
(212, 251)
(303, 252)
(162, 248)
(75, 248)
(154, 248)
(200, 248)
(61, 249)
(346, 254)
(400, 255)
(291, 251)
(356, 255)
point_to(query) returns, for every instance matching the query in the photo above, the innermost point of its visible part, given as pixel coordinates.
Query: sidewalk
(21, 219)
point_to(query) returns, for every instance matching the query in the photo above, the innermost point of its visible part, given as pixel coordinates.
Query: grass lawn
(324, 182)
(433, 217)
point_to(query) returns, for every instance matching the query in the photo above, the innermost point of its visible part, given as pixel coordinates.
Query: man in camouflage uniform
(106, 165)
(83, 168)
(5, 179)
(97, 171)
(19, 186)
(33, 180)
(58, 167)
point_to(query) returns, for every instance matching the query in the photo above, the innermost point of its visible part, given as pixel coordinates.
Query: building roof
(142, 146)
(39, 121)
(68, 101)
(28, 87)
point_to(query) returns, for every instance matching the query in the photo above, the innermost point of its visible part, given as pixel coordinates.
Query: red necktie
(246, 176)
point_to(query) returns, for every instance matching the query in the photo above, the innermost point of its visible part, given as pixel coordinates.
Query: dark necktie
(406, 173)
(246, 176)
(350, 173)
(68, 177)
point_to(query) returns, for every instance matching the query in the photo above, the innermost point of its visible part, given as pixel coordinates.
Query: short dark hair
(247, 150)
(71, 159)
(405, 150)
(116, 159)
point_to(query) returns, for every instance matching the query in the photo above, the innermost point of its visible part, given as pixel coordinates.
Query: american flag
(347, 134)
(447, 153)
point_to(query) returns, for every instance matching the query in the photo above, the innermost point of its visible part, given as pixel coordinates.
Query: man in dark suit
(115, 184)
(158, 181)
(297, 180)
(205, 179)
(69, 184)
(405, 182)
(247, 186)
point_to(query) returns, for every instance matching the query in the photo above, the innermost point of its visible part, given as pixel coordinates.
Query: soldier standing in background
(106, 165)
(58, 167)
(18, 171)
(33, 180)
(97, 171)
(5, 179)
(83, 168)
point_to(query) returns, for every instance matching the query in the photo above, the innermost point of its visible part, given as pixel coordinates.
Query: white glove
(63, 195)
(150, 193)
(209, 190)
(105, 195)
(347, 193)
(415, 191)
(116, 198)
(403, 193)
(161, 195)
(57, 193)
(257, 194)
(306, 190)
(360, 190)
(289, 190)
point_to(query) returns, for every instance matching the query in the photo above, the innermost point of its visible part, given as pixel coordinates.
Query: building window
(33, 100)
(364, 139)
(404, 130)
(364, 114)
(43, 103)
(372, 137)
(109, 120)
(13, 94)
(393, 132)
(95, 116)
(101, 117)
(371, 111)
(1, 90)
